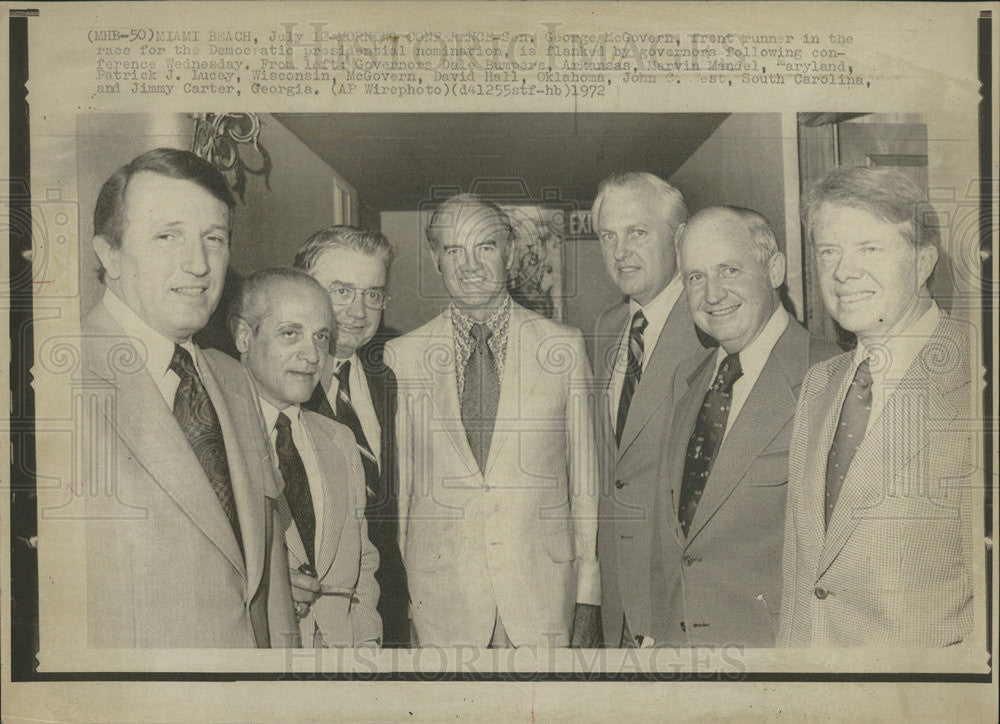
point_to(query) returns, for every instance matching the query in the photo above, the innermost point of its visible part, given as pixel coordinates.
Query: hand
(586, 631)
(305, 591)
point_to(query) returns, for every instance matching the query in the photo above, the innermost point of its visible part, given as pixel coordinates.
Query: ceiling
(395, 161)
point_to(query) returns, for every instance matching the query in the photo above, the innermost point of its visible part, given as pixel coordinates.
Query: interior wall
(740, 165)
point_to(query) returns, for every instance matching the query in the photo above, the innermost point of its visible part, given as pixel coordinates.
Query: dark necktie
(480, 395)
(703, 446)
(349, 417)
(196, 415)
(850, 432)
(633, 371)
(296, 485)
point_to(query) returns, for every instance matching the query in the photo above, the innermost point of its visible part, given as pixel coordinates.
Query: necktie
(850, 432)
(347, 416)
(704, 443)
(481, 395)
(633, 371)
(197, 417)
(296, 485)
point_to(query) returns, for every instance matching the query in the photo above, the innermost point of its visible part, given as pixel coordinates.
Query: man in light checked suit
(879, 530)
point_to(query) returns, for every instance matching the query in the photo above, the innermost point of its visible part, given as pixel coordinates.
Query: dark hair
(109, 212)
(342, 236)
(884, 192)
(448, 214)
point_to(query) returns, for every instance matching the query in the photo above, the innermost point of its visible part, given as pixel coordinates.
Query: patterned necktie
(851, 430)
(481, 395)
(296, 485)
(349, 417)
(196, 414)
(633, 371)
(709, 429)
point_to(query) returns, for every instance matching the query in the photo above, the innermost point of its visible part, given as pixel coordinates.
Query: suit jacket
(629, 471)
(521, 538)
(382, 510)
(721, 584)
(164, 568)
(346, 560)
(895, 565)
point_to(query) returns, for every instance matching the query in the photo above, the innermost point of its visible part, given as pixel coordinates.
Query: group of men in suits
(724, 479)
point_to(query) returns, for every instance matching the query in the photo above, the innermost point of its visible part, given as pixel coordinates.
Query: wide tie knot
(639, 323)
(282, 423)
(863, 377)
(344, 373)
(729, 371)
(181, 363)
(480, 333)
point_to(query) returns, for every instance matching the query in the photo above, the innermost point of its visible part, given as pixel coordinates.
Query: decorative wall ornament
(231, 143)
(536, 276)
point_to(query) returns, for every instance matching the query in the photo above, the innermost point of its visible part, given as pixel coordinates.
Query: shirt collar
(754, 356)
(159, 349)
(292, 412)
(891, 358)
(496, 322)
(660, 306)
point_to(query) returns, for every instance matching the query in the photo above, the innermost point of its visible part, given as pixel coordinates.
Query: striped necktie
(633, 371)
(346, 414)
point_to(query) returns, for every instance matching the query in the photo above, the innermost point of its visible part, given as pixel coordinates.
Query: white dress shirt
(304, 444)
(753, 357)
(361, 401)
(158, 349)
(892, 357)
(656, 313)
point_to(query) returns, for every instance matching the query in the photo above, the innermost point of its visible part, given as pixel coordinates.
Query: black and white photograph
(509, 353)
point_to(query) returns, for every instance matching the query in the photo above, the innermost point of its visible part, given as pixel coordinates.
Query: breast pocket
(769, 470)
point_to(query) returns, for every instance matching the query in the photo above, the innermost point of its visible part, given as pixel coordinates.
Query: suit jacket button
(619, 484)
(688, 561)
(683, 627)
(821, 592)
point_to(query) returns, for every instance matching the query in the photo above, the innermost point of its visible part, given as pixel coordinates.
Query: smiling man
(498, 500)
(283, 327)
(358, 390)
(638, 346)
(717, 568)
(181, 544)
(879, 537)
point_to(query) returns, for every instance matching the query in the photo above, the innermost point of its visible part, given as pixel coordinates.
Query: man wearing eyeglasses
(358, 390)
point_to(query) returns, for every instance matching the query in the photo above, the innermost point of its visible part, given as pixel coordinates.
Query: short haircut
(764, 244)
(448, 214)
(671, 200)
(883, 192)
(251, 303)
(109, 212)
(342, 236)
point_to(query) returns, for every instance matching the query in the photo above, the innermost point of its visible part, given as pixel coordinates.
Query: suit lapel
(248, 466)
(439, 360)
(149, 429)
(685, 416)
(768, 408)
(335, 503)
(899, 433)
(676, 341)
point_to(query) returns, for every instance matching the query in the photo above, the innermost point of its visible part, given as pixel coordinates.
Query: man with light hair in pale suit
(879, 532)
(498, 472)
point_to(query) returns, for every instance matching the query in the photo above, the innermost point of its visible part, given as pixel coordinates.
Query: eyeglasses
(372, 298)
